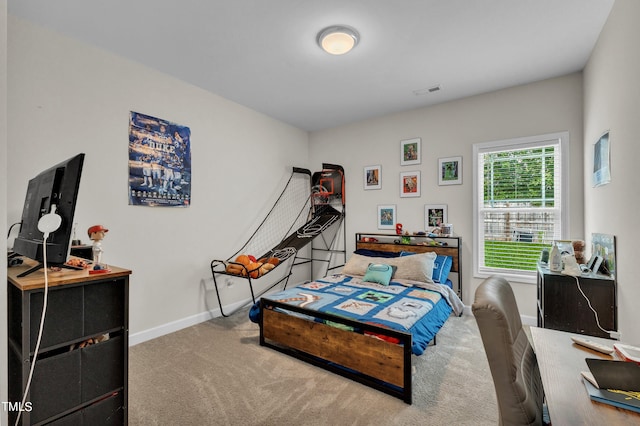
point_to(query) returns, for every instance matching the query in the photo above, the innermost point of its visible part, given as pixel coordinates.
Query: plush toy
(578, 251)
(245, 265)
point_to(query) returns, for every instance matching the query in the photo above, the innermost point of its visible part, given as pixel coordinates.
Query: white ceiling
(263, 53)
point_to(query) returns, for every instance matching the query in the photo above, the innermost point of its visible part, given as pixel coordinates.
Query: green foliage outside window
(520, 177)
(516, 255)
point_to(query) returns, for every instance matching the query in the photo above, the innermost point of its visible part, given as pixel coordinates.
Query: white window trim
(519, 143)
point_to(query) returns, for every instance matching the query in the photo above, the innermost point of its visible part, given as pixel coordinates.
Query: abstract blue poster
(159, 162)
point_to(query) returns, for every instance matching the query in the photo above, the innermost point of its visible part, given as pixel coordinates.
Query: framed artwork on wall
(450, 171)
(410, 184)
(410, 152)
(373, 177)
(387, 216)
(601, 166)
(435, 215)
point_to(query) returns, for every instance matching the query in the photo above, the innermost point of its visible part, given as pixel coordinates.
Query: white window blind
(518, 202)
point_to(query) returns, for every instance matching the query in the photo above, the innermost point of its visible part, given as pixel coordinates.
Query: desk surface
(57, 278)
(561, 361)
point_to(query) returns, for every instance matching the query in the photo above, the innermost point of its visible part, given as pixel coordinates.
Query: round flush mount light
(338, 39)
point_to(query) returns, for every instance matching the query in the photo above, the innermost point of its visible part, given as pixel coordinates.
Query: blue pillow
(379, 273)
(441, 268)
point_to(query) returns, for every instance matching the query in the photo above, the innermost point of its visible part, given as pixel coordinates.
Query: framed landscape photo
(435, 215)
(410, 184)
(373, 177)
(387, 216)
(410, 153)
(450, 171)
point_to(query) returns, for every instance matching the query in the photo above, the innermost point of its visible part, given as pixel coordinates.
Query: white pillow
(418, 267)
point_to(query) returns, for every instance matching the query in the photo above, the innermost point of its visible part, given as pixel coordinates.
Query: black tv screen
(57, 185)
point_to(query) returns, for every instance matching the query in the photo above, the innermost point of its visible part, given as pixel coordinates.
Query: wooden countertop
(56, 278)
(560, 362)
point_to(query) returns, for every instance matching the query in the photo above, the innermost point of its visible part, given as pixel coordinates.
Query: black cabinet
(80, 375)
(562, 306)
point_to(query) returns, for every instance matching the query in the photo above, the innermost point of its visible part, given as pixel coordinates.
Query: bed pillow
(418, 267)
(379, 273)
(441, 268)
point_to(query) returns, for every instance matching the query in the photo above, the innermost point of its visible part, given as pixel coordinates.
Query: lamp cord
(591, 307)
(11, 228)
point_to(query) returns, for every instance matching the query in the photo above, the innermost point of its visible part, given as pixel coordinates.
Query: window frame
(562, 139)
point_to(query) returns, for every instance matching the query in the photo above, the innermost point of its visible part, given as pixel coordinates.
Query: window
(519, 203)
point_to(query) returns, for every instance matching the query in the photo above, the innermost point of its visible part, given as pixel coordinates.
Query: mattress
(417, 308)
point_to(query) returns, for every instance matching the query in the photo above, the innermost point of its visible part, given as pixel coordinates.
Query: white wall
(450, 130)
(65, 97)
(612, 102)
(3, 199)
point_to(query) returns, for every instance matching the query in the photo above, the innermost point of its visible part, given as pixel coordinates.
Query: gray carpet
(216, 373)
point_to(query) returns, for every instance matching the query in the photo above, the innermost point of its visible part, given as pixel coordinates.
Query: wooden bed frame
(374, 362)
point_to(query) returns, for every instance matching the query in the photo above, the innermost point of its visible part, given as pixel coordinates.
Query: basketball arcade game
(287, 229)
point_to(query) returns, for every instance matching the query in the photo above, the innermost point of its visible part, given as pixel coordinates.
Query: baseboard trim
(172, 327)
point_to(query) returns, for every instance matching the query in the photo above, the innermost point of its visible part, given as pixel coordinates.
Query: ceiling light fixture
(338, 39)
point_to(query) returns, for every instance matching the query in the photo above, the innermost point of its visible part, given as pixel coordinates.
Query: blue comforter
(398, 306)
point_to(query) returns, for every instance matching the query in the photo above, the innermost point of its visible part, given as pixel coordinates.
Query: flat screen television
(57, 185)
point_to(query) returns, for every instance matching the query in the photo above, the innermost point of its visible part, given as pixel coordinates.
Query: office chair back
(512, 361)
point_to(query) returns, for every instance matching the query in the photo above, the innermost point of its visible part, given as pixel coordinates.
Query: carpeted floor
(216, 373)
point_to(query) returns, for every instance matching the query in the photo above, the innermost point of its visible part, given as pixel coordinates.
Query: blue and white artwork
(159, 162)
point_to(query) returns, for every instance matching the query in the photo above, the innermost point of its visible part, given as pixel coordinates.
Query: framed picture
(387, 216)
(601, 165)
(410, 184)
(410, 153)
(435, 215)
(373, 177)
(450, 171)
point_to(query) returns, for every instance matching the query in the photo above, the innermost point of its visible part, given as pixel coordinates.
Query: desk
(561, 361)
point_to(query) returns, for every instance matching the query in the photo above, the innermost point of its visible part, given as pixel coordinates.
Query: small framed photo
(410, 184)
(450, 171)
(435, 215)
(601, 162)
(410, 153)
(373, 177)
(387, 216)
